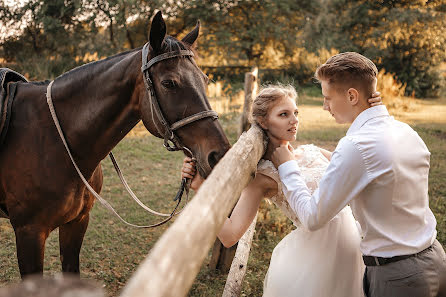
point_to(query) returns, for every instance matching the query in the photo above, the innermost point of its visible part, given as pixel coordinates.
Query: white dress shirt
(381, 169)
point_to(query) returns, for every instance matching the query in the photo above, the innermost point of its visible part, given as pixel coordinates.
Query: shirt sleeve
(346, 176)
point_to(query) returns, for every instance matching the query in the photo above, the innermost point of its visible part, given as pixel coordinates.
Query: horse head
(176, 84)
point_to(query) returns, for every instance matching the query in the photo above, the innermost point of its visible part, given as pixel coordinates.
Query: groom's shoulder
(386, 137)
(367, 142)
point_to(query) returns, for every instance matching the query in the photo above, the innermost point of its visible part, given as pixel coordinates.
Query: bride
(322, 263)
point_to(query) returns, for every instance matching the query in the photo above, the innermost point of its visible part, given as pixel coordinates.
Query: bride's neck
(273, 143)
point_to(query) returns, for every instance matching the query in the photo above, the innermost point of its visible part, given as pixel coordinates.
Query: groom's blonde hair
(267, 97)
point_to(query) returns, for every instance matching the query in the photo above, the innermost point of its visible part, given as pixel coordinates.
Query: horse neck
(97, 105)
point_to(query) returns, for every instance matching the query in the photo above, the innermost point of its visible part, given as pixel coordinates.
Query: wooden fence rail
(222, 257)
(174, 261)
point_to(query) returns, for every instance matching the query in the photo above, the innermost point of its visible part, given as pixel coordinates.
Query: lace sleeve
(312, 164)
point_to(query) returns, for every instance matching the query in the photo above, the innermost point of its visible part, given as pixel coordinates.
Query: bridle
(169, 134)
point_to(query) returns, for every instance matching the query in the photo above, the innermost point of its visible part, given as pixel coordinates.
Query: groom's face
(336, 102)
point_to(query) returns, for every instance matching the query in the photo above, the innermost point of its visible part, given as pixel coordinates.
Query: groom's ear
(353, 96)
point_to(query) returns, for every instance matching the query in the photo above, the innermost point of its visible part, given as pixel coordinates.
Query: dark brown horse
(97, 105)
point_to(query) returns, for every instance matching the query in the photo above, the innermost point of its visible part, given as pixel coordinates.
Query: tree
(124, 19)
(244, 28)
(406, 38)
(47, 24)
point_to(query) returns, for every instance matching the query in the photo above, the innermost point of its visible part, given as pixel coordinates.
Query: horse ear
(192, 35)
(157, 32)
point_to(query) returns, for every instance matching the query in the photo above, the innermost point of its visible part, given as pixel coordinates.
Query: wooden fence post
(250, 93)
(174, 261)
(234, 282)
(222, 257)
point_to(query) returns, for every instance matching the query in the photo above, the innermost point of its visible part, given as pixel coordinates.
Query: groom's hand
(282, 154)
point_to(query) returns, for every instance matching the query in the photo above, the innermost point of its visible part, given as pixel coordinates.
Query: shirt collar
(366, 115)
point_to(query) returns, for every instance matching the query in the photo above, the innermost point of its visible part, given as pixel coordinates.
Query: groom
(381, 169)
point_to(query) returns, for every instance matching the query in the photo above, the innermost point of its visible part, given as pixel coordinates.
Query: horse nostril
(213, 159)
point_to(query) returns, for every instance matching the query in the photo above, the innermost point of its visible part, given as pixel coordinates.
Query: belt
(378, 261)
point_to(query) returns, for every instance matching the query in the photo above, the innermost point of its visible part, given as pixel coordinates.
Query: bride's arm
(246, 209)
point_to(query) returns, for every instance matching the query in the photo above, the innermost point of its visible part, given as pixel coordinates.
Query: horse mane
(169, 44)
(94, 63)
(40, 83)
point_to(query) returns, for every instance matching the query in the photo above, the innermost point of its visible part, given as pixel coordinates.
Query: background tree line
(290, 38)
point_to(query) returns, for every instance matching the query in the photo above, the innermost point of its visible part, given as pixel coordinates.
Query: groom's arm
(345, 177)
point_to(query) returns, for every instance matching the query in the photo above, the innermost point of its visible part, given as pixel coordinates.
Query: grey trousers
(423, 275)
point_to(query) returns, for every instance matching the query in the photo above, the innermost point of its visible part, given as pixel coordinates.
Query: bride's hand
(189, 171)
(375, 99)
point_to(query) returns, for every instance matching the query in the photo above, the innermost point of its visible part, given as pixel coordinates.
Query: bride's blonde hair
(267, 97)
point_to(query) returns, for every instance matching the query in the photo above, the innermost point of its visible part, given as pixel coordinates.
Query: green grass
(112, 251)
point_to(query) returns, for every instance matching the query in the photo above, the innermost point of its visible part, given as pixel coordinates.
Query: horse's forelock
(171, 44)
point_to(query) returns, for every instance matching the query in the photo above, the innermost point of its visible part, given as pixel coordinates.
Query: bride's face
(281, 121)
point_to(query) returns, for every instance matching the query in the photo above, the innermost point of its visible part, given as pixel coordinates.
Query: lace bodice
(312, 165)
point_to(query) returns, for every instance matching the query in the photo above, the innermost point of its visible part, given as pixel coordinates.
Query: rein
(169, 136)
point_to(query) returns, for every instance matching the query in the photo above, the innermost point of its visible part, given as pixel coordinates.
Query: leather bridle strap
(194, 118)
(165, 56)
(168, 133)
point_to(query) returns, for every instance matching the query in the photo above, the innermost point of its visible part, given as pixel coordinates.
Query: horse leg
(71, 236)
(30, 249)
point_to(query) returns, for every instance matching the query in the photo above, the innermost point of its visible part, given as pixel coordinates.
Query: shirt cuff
(287, 168)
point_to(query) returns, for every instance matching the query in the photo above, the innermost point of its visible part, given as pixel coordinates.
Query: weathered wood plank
(173, 263)
(222, 257)
(250, 93)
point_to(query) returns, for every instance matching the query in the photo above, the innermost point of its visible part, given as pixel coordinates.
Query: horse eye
(169, 84)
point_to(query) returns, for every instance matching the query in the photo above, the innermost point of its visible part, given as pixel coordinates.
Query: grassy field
(112, 251)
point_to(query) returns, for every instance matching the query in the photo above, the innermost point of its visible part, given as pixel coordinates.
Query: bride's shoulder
(266, 184)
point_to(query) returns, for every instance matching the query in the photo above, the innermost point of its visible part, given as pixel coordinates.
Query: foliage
(404, 37)
(52, 35)
(238, 31)
(289, 38)
(392, 92)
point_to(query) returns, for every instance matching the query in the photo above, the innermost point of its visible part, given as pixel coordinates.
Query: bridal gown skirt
(322, 263)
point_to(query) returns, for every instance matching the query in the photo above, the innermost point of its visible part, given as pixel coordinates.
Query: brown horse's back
(38, 184)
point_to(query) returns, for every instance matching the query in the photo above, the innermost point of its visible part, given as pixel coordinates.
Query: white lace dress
(322, 263)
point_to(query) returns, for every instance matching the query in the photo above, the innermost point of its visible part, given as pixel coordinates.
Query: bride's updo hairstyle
(267, 97)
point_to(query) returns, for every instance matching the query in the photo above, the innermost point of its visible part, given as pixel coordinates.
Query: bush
(392, 92)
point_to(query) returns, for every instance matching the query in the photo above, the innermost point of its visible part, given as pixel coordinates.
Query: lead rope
(102, 200)
(185, 184)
